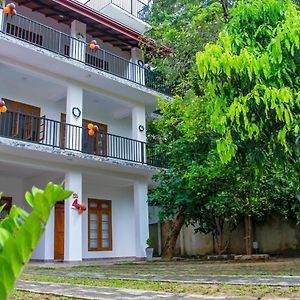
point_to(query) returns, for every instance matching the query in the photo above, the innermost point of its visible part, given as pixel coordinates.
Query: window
(5, 211)
(100, 225)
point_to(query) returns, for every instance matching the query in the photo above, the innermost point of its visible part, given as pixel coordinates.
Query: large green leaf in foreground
(20, 233)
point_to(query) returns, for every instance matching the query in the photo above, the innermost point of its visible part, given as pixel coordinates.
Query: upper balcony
(46, 37)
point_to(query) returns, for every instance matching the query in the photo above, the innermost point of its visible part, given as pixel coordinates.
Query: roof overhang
(98, 25)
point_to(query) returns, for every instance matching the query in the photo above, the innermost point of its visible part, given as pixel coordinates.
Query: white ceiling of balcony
(25, 85)
(28, 86)
(24, 172)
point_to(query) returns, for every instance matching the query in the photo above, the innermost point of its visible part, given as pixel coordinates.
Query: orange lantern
(92, 46)
(91, 132)
(90, 126)
(7, 10)
(4, 109)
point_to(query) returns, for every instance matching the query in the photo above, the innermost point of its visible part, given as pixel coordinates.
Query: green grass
(284, 267)
(200, 289)
(21, 295)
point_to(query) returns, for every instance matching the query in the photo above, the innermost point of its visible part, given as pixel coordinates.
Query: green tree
(251, 75)
(252, 79)
(187, 26)
(20, 233)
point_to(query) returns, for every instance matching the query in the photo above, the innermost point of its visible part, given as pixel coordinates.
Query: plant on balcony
(20, 233)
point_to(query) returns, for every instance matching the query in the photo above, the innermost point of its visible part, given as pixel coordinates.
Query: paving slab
(88, 292)
(207, 279)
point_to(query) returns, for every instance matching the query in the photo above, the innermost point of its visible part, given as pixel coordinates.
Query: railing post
(143, 152)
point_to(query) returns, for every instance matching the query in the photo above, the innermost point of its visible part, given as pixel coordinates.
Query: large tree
(252, 79)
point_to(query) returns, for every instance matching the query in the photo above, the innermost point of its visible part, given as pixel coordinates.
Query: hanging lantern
(3, 108)
(94, 46)
(10, 9)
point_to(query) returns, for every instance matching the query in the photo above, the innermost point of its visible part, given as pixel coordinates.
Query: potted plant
(149, 249)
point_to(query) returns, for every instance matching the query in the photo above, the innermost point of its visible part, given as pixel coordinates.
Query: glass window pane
(94, 225)
(105, 243)
(105, 205)
(104, 217)
(93, 217)
(105, 235)
(93, 234)
(105, 226)
(93, 204)
(93, 243)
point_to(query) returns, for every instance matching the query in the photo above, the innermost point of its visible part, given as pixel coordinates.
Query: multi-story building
(55, 84)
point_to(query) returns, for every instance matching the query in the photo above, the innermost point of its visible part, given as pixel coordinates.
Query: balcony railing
(136, 8)
(58, 42)
(43, 131)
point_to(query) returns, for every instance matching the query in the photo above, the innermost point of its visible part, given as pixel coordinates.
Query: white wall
(123, 240)
(45, 247)
(13, 187)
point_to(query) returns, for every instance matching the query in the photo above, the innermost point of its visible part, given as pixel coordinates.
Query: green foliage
(252, 79)
(187, 26)
(20, 233)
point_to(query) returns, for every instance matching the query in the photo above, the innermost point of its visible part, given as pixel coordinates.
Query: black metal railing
(44, 131)
(136, 8)
(58, 42)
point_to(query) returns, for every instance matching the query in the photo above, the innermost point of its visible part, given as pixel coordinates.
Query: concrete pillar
(74, 104)
(49, 237)
(137, 72)
(139, 130)
(73, 221)
(138, 120)
(141, 221)
(2, 14)
(77, 45)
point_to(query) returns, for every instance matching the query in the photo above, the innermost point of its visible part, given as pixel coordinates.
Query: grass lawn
(200, 289)
(289, 267)
(20, 295)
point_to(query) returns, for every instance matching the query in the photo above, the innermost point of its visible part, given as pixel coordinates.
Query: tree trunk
(173, 230)
(248, 234)
(225, 6)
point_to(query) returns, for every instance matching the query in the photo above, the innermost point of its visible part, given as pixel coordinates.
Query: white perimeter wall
(123, 237)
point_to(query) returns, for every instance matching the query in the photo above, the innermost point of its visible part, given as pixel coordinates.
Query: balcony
(60, 135)
(63, 44)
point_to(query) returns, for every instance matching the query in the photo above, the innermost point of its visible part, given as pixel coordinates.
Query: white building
(54, 85)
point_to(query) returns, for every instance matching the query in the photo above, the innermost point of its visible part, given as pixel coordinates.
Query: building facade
(76, 114)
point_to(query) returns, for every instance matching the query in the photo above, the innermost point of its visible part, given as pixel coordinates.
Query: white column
(141, 218)
(137, 73)
(77, 45)
(139, 123)
(49, 237)
(73, 221)
(73, 104)
(1, 14)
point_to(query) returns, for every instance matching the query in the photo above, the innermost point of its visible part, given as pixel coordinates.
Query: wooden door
(90, 144)
(59, 231)
(22, 121)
